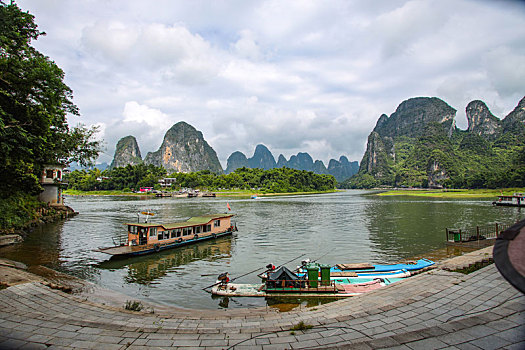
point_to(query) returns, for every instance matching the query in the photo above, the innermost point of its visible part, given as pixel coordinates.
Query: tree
(34, 103)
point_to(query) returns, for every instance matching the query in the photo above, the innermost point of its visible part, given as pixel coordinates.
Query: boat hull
(257, 290)
(138, 250)
(500, 204)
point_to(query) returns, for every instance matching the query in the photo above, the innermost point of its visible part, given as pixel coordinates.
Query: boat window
(197, 229)
(160, 235)
(133, 229)
(208, 228)
(152, 231)
(167, 234)
(217, 223)
(178, 232)
(186, 231)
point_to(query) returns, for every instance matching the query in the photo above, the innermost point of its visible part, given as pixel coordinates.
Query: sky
(296, 76)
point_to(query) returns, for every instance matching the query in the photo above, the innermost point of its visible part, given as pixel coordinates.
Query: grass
(301, 326)
(133, 305)
(453, 193)
(474, 267)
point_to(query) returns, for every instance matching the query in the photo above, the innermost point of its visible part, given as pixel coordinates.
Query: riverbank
(452, 193)
(22, 214)
(222, 193)
(435, 309)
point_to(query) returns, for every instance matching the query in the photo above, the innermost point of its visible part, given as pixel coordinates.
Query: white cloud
(246, 46)
(296, 76)
(505, 70)
(134, 112)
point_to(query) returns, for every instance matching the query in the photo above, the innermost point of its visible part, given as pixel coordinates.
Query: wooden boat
(365, 275)
(209, 194)
(366, 268)
(516, 200)
(351, 280)
(283, 282)
(163, 194)
(334, 275)
(145, 238)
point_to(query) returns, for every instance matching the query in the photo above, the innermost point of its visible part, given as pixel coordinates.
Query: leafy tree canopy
(34, 104)
(276, 180)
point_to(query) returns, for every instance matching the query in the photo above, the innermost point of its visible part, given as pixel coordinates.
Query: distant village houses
(167, 182)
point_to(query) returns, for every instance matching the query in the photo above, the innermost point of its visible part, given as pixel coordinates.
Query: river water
(342, 227)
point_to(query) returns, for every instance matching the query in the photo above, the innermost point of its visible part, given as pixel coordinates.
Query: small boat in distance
(516, 200)
(145, 238)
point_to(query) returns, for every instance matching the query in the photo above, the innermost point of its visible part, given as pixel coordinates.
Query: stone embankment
(437, 309)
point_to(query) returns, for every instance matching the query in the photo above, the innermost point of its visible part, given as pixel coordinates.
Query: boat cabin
(516, 200)
(144, 238)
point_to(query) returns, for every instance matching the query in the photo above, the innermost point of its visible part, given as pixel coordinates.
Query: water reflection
(404, 227)
(150, 268)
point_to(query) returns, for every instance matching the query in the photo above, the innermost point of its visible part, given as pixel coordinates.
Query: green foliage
(280, 180)
(133, 305)
(34, 103)
(301, 326)
(463, 160)
(129, 177)
(17, 210)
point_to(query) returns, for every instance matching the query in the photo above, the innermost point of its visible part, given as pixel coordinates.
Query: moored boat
(283, 282)
(356, 275)
(516, 200)
(365, 268)
(145, 238)
(403, 273)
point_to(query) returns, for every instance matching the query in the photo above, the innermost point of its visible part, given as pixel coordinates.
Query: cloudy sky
(297, 76)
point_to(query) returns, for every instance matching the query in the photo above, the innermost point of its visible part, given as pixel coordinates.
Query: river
(342, 227)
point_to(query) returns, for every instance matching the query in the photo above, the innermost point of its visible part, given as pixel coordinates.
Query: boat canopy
(283, 274)
(193, 221)
(283, 277)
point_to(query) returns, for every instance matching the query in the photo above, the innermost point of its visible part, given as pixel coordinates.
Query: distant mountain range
(185, 150)
(262, 158)
(418, 145)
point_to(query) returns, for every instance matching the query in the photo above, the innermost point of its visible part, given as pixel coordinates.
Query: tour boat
(145, 238)
(516, 200)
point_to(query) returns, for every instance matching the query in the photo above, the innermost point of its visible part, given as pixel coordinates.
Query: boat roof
(515, 195)
(193, 221)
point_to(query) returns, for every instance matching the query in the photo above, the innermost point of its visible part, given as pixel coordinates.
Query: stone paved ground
(434, 310)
